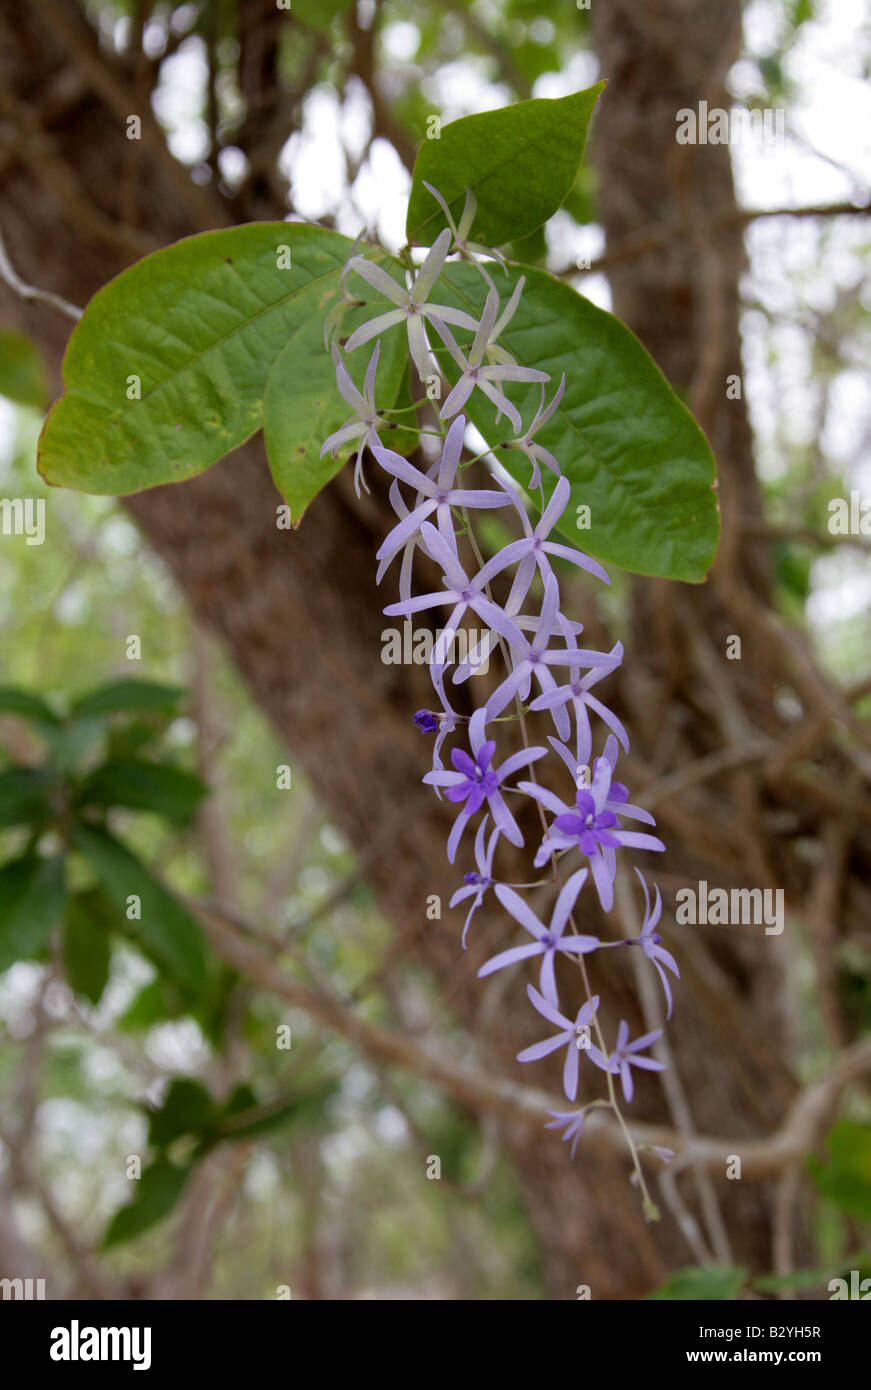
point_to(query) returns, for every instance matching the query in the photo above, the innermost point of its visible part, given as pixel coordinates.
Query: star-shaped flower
(363, 424)
(469, 250)
(650, 938)
(625, 1056)
(412, 304)
(547, 940)
(476, 884)
(577, 694)
(461, 592)
(475, 372)
(592, 823)
(572, 1122)
(474, 781)
(438, 494)
(572, 1036)
(534, 658)
(536, 453)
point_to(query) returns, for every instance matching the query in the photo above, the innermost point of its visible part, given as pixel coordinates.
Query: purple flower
(572, 1121)
(476, 884)
(547, 939)
(362, 424)
(577, 694)
(469, 250)
(625, 1056)
(460, 591)
(535, 659)
(475, 781)
(412, 306)
(650, 938)
(536, 453)
(571, 1036)
(397, 502)
(532, 551)
(474, 372)
(591, 823)
(438, 494)
(426, 722)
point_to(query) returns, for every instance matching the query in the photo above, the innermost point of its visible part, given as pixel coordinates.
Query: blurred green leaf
(144, 786)
(187, 1109)
(86, 949)
(32, 707)
(306, 1108)
(520, 162)
(709, 1283)
(26, 795)
(156, 1193)
(22, 371)
(845, 1178)
(128, 696)
(31, 901)
(166, 930)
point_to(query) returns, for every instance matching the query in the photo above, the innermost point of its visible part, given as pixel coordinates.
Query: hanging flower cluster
(581, 805)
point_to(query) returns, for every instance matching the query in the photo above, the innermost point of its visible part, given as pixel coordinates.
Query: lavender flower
(469, 250)
(577, 694)
(625, 1056)
(535, 659)
(363, 423)
(650, 938)
(460, 591)
(439, 494)
(533, 549)
(536, 453)
(547, 940)
(412, 304)
(474, 780)
(572, 1121)
(476, 884)
(570, 1036)
(473, 371)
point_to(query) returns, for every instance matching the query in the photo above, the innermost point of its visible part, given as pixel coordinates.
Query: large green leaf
(31, 900)
(32, 707)
(199, 324)
(144, 786)
(520, 162)
(166, 929)
(155, 1194)
(846, 1177)
(630, 448)
(303, 405)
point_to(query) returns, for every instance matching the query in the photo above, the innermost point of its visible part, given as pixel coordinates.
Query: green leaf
(520, 162)
(87, 953)
(797, 1279)
(248, 1120)
(303, 406)
(128, 696)
(199, 324)
(630, 448)
(846, 1178)
(22, 371)
(187, 1109)
(711, 1283)
(144, 786)
(26, 795)
(32, 707)
(155, 1195)
(31, 901)
(166, 930)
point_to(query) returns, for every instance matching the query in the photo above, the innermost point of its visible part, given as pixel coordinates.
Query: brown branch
(240, 946)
